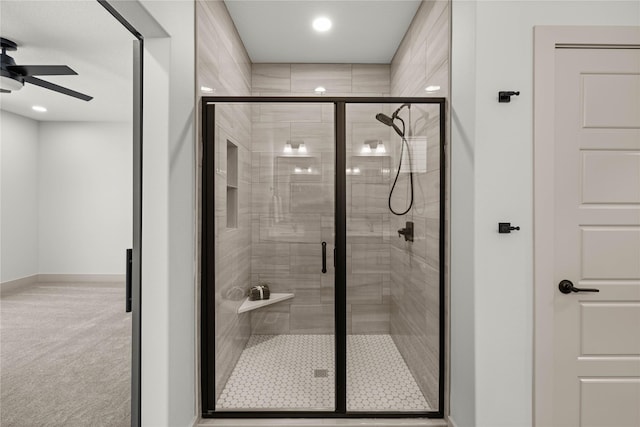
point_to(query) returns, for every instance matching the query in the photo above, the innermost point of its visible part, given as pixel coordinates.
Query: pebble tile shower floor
(286, 372)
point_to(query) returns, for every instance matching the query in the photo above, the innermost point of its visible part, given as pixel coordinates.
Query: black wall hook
(506, 228)
(505, 96)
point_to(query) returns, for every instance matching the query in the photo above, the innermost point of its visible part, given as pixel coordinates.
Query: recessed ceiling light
(432, 88)
(322, 24)
(39, 109)
(206, 89)
(320, 90)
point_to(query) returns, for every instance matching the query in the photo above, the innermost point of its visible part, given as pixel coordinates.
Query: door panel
(598, 319)
(393, 294)
(610, 252)
(602, 91)
(605, 166)
(597, 237)
(603, 400)
(273, 191)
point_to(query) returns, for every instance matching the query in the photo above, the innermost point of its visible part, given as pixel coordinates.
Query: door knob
(566, 287)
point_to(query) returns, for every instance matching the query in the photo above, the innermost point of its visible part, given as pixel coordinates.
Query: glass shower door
(285, 183)
(274, 216)
(393, 257)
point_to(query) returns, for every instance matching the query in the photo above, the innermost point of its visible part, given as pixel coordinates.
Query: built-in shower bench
(274, 298)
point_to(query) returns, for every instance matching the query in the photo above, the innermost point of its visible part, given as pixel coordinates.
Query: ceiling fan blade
(57, 88)
(41, 70)
(4, 91)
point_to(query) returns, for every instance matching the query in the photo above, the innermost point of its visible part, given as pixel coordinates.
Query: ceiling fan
(13, 77)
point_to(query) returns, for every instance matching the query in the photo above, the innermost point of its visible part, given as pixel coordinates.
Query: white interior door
(597, 238)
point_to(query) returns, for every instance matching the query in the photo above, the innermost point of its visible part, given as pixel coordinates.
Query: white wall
(462, 404)
(85, 193)
(168, 231)
(497, 139)
(66, 197)
(155, 402)
(19, 197)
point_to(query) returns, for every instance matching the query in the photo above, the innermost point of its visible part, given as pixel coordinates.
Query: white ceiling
(363, 31)
(82, 35)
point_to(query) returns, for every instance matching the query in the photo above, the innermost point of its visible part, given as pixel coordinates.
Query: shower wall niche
(232, 185)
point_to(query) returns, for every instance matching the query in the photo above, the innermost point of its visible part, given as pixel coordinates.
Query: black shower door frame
(207, 333)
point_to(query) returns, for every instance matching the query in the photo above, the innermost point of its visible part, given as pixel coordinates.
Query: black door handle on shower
(127, 297)
(324, 257)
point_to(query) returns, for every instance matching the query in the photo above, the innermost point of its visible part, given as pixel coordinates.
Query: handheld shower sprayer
(384, 119)
(389, 121)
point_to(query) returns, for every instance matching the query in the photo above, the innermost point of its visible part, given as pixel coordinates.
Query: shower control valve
(407, 232)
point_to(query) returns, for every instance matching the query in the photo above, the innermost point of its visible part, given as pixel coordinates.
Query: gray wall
(287, 250)
(223, 65)
(369, 179)
(421, 60)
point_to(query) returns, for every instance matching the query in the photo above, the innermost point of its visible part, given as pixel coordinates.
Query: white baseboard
(92, 279)
(75, 278)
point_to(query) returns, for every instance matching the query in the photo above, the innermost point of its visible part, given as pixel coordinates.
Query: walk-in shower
(310, 197)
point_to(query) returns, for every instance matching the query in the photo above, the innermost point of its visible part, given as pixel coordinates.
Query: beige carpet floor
(65, 356)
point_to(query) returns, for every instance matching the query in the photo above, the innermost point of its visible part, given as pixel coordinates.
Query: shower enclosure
(337, 205)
